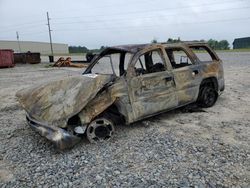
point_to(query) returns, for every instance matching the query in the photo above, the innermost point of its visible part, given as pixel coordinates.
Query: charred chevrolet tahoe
(122, 85)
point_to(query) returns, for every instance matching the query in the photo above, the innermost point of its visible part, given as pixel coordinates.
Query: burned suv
(123, 84)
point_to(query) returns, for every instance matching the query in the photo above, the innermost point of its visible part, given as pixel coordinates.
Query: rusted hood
(56, 101)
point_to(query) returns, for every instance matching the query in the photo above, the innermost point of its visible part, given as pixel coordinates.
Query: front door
(152, 88)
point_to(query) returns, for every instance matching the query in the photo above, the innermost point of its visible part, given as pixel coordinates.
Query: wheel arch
(87, 115)
(113, 113)
(210, 81)
(100, 108)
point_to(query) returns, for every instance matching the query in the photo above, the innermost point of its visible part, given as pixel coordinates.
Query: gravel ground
(182, 148)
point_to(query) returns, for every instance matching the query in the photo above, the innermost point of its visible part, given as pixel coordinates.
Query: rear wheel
(100, 129)
(207, 97)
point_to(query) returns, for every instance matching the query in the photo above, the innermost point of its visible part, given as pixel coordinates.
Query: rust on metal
(29, 57)
(61, 62)
(123, 84)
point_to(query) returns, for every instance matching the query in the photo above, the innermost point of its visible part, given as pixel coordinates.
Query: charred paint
(136, 97)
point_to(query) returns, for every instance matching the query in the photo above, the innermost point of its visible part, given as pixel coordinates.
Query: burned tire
(207, 97)
(100, 129)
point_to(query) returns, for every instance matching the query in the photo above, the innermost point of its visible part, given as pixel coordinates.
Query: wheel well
(74, 121)
(212, 82)
(113, 114)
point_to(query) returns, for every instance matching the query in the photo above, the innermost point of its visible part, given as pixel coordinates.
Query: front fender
(96, 106)
(103, 100)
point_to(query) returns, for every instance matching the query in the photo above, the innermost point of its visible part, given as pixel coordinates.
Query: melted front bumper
(58, 136)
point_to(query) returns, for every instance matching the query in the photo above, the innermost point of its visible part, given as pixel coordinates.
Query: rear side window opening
(178, 57)
(203, 53)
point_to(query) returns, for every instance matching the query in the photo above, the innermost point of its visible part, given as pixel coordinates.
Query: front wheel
(100, 129)
(207, 97)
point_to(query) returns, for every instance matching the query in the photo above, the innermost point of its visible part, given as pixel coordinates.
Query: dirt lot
(205, 147)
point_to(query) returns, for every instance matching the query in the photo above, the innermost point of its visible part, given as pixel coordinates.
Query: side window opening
(178, 58)
(150, 62)
(203, 53)
(113, 63)
(108, 64)
(140, 66)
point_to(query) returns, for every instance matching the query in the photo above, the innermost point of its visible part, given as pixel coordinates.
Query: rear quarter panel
(214, 70)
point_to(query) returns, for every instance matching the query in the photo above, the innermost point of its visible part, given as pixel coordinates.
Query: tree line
(78, 49)
(84, 49)
(218, 45)
(214, 44)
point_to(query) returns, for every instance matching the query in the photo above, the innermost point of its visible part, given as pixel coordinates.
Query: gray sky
(93, 23)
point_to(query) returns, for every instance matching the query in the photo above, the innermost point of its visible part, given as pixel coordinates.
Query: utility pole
(50, 38)
(17, 37)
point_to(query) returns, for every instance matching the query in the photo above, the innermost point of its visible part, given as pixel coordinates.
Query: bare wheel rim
(99, 130)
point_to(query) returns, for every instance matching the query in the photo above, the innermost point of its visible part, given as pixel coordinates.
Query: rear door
(152, 88)
(187, 74)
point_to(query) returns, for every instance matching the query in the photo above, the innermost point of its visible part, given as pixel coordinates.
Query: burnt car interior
(149, 62)
(178, 57)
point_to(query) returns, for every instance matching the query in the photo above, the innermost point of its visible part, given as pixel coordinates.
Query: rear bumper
(221, 83)
(58, 136)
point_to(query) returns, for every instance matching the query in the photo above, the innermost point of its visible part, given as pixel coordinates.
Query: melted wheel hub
(100, 129)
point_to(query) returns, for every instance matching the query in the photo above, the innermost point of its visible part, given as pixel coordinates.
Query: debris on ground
(208, 149)
(61, 62)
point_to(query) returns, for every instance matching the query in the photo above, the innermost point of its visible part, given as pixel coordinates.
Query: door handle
(168, 78)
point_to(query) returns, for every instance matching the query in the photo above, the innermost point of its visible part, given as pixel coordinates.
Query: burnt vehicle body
(123, 84)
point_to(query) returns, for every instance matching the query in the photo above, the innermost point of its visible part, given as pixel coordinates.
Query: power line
(35, 33)
(28, 23)
(38, 33)
(150, 27)
(38, 23)
(154, 10)
(154, 26)
(141, 27)
(105, 6)
(115, 19)
(30, 26)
